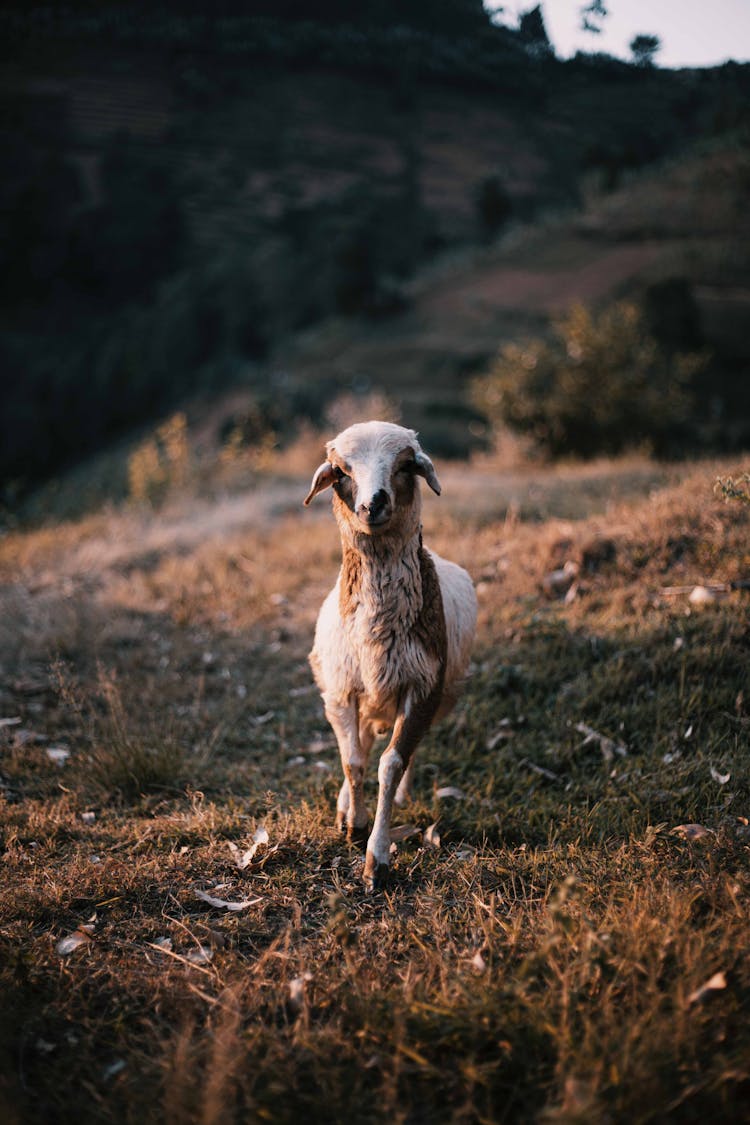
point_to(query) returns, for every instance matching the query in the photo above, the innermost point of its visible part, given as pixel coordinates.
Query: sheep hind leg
(404, 791)
(351, 814)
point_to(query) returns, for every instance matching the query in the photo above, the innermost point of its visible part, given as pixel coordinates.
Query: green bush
(600, 385)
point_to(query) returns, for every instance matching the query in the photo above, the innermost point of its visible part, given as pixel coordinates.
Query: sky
(692, 32)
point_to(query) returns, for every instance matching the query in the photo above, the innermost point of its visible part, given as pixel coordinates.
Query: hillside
(569, 940)
(190, 205)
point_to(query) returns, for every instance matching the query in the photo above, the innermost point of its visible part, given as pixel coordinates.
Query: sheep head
(372, 467)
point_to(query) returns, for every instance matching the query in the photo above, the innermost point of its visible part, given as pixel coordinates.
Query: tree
(644, 48)
(592, 16)
(534, 33)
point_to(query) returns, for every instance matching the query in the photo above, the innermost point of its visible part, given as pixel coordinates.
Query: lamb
(393, 637)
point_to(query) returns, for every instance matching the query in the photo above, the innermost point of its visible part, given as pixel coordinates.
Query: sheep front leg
(350, 808)
(412, 722)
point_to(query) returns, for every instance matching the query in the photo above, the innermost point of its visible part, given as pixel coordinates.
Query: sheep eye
(339, 473)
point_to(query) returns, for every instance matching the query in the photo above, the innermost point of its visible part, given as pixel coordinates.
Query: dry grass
(542, 964)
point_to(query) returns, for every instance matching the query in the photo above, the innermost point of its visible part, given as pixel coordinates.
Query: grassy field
(565, 937)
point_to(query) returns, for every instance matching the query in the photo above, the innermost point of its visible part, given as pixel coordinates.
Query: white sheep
(393, 637)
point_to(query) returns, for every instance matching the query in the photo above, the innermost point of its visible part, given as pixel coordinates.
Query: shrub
(160, 463)
(602, 384)
(734, 488)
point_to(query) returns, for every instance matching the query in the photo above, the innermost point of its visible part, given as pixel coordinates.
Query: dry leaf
(58, 754)
(88, 817)
(243, 859)
(318, 745)
(403, 832)
(557, 583)
(70, 943)
(693, 831)
(222, 904)
(607, 745)
(702, 595)
(163, 943)
(297, 991)
(478, 962)
(450, 791)
(261, 720)
(431, 837)
(10, 722)
(200, 956)
(716, 983)
(720, 778)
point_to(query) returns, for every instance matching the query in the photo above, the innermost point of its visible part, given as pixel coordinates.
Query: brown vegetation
(555, 948)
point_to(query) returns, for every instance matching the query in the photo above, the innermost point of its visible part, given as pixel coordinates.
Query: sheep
(393, 636)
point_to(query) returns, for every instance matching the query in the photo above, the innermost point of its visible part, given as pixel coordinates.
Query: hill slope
(573, 940)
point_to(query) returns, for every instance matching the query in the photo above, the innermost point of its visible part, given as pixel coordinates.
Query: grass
(544, 962)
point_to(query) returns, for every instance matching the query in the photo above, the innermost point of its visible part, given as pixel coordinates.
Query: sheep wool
(393, 637)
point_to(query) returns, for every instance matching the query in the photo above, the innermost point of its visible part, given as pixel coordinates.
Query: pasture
(565, 935)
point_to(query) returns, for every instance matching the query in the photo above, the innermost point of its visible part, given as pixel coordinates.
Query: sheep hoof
(375, 874)
(340, 821)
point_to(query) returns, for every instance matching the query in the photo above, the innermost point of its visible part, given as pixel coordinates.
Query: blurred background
(228, 229)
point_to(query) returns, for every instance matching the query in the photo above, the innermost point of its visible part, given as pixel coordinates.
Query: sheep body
(393, 637)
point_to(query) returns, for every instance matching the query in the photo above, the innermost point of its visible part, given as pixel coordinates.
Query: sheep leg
(350, 807)
(404, 791)
(412, 722)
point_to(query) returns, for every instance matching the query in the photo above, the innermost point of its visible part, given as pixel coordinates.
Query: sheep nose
(376, 506)
(377, 503)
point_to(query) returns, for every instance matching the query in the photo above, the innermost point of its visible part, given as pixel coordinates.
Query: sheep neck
(381, 581)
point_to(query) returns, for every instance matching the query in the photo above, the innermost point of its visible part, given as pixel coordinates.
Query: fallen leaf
(403, 832)
(693, 831)
(200, 956)
(113, 1069)
(163, 943)
(244, 859)
(58, 754)
(297, 991)
(70, 943)
(607, 745)
(702, 595)
(720, 778)
(715, 984)
(478, 962)
(431, 837)
(318, 745)
(261, 720)
(541, 770)
(88, 817)
(557, 583)
(505, 731)
(10, 722)
(450, 791)
(223, 904)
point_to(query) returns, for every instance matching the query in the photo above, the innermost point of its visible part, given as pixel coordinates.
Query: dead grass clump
(126, 754)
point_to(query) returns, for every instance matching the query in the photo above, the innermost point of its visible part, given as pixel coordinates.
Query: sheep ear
(426, 469)
(324, 478)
